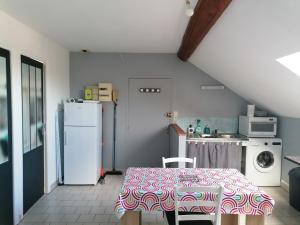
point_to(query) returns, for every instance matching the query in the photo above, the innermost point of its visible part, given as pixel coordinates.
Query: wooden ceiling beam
(206, 14)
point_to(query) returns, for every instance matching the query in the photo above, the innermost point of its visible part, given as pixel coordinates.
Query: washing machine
(263, 161)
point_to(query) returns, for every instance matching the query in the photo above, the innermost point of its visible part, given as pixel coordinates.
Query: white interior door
(148, 139)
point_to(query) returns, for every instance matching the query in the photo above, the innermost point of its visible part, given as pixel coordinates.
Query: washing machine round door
(264, 161)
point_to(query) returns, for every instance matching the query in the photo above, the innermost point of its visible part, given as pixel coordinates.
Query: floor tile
(70, 218)
(86, 218)
(94, 205)
(102, 218)
(54, 218)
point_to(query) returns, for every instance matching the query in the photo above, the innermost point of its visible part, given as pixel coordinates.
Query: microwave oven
(258, 126)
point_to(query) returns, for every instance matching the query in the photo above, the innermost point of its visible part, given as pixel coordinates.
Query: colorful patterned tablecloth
(152, 189)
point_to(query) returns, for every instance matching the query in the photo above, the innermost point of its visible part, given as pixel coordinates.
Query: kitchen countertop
(236, 139)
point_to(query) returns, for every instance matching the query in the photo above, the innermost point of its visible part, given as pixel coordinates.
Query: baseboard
(110, 169)
(52, 187)
(285, 185)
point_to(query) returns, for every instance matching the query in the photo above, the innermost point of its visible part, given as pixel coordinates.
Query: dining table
(152, 189)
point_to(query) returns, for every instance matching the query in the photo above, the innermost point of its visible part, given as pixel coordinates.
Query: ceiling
(241, 50)
(105, 25)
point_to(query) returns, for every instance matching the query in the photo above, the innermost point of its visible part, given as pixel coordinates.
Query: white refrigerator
(82, 143)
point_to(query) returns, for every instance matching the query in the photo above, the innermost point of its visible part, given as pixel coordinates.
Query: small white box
(250, 110)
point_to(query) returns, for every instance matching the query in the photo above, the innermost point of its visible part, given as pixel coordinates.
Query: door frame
(41, 65)
(6, 53)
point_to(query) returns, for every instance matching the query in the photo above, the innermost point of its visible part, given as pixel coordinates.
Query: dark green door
(33, 135)
(6, 199)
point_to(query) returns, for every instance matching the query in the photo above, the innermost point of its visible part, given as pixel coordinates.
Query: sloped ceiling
(154, 26)
(242, 48)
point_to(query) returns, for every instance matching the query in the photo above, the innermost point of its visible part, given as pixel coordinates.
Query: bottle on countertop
(198, 129)
(206, 129)
(190, 131)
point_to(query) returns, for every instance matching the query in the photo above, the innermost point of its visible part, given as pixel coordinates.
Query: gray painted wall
(289, 131)
(187, 98)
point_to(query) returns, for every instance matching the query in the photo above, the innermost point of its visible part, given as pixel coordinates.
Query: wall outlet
(172, 116)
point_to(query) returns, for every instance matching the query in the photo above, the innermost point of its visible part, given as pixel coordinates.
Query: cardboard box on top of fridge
(105, 87)
(88, 94)
(105, 92)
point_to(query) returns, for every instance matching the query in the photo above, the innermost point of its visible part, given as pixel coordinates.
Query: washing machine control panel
(264, 142)
(276, 143)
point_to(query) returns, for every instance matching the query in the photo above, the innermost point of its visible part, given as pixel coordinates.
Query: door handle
(65, 138)
(44, 128)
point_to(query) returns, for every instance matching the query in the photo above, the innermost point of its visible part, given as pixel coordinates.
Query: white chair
(178, 159)
(214, 218)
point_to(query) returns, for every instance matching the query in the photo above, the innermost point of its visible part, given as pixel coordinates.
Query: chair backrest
(215, 217)
(178, 159)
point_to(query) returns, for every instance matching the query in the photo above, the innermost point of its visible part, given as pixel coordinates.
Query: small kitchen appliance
(258, 126)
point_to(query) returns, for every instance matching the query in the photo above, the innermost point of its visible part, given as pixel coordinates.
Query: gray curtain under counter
(216, 154)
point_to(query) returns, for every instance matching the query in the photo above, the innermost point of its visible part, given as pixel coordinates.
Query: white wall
(289, 132)
(21, 39)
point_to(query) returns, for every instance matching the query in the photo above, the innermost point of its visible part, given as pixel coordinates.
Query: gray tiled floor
(93, 205)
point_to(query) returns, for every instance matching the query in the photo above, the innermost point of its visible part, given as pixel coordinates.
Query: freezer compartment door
(81, 155)
(82, 114)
